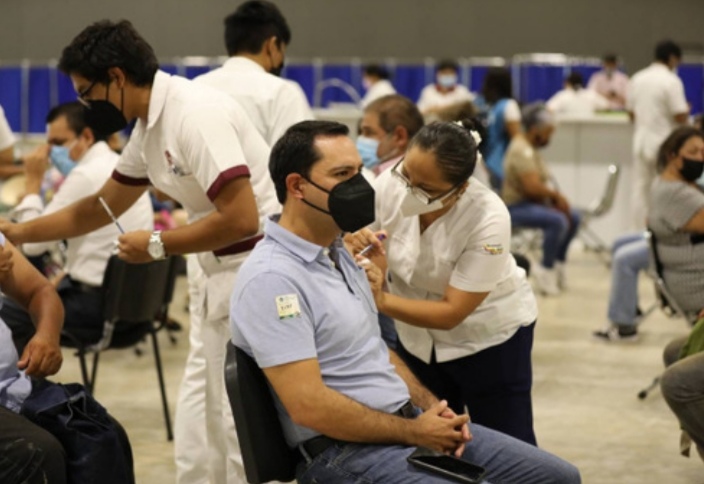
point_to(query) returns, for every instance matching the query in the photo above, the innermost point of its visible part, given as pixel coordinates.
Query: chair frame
(112, 316)
(598, 208)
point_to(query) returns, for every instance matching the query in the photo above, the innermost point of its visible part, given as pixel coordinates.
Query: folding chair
(598, 208)
(667, 301)
(135, 304)
(265, 453)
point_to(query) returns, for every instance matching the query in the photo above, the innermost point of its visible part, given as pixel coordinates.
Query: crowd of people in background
(420, 312)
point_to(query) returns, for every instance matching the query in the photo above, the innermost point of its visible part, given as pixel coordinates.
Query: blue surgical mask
(61, 159)
(447, 80)
(367, 148)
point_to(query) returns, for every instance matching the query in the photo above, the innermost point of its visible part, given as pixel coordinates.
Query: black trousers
(28, 453)
(494, 384)
(82, 308)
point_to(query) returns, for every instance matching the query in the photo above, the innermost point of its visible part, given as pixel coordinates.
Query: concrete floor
(585, 404)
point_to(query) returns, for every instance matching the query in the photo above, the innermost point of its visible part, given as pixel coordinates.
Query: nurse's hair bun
(475, 128)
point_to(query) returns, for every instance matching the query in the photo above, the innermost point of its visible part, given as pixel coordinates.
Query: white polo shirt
(579, 102)
(655, 96)
(7, 139)
(87, 255)
(380, 88)
(430, 97)
(273, 104)
(468, 248)
(195, 140)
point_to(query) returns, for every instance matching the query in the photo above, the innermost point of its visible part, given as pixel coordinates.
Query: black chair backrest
(265, 453)
(134, 293)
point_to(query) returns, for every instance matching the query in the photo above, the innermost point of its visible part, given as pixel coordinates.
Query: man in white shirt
(70, 138)
(656, 105)
(196, 145)
(610, 82)
(375, 80)
(445, 92)
(256, 37)
(574, 100)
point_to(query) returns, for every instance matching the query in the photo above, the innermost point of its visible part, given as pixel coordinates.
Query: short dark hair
(248, 27)
(575, 80)
(107, 44)
(665, 49)
(497, 84)
(673, 144)
(447, 64)
(295, 151)
(377, 71)
(610, 58)
(75, 114)
(396, 110)
(453, 146)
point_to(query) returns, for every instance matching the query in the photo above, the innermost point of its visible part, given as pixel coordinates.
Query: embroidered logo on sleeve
(287, 306)
(494, 249)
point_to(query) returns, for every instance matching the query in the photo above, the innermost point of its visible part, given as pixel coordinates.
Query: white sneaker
(561, 278)
(546, 280)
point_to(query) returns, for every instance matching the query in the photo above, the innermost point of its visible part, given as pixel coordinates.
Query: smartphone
(447, 466)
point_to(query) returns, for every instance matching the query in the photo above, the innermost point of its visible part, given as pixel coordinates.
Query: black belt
(317, 445)
(83, 287)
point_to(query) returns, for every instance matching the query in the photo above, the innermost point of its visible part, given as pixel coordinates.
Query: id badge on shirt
(175, 168)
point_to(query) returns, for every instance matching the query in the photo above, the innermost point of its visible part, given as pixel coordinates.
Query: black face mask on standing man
(350, 203)
(104, 117)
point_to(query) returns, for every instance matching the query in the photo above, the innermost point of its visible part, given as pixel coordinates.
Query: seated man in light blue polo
(304, 310)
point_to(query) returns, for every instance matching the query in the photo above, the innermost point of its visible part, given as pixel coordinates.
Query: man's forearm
(420, 396)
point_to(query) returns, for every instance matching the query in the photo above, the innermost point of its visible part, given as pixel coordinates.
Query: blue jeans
(558, 230)
(629, 257)
(506, 459)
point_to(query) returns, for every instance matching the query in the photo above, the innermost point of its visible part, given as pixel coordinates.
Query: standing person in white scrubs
(375, 80)
(446, 90)
(465, 313)
(656, 104)
(256, 37)
(8, 163)
(196, 145)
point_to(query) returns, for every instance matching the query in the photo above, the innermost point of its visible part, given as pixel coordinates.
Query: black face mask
(104, 117)
(691, 169)
(351, 203)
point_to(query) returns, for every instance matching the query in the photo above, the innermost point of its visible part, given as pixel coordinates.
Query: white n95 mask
(412, 205)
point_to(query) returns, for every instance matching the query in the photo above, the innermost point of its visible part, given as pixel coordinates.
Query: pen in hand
(112, 216)
(381, 238)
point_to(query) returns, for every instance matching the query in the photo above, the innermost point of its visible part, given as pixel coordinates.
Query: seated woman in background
(532, 203)
(676, 220)
(465, 313)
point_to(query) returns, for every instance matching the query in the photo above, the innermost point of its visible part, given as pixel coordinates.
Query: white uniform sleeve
(7, 139)
(555, 103)
(210, 143)
(483, 260)
(676, 100)
(290, 107)
(512, 112)
(131, 168)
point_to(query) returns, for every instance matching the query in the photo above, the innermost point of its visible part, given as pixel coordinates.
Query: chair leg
(84, 371)
(162, 388)
(94, 371)
(644, 392)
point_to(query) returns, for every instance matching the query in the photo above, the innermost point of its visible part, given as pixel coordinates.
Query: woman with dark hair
(503, 121)
(676, 221)
(464, 311)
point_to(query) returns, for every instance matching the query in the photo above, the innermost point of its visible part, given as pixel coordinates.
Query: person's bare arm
(32, 291)
(86, 215)
(512, 128)
(310, 403)
(420, 396)
(235, 218)
(681, 118)
(7, 155)
(696, 223)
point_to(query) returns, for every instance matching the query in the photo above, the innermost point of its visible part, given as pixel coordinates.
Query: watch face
(156, 248)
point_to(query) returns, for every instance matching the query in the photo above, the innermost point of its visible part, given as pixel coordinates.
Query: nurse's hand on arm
(86, 215)
(357, 242)
(23, 283)
(235, 218)
(310, 403)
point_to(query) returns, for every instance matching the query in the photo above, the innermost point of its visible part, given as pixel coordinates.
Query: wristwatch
(156, 246)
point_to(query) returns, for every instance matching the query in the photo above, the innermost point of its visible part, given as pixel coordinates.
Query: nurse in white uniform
(464, 311)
